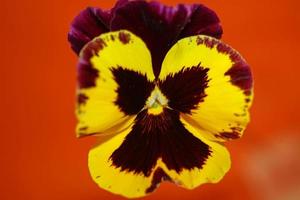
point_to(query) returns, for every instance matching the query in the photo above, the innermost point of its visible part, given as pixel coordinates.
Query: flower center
(156, 102)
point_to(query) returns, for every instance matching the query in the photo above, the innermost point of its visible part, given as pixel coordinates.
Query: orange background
(42, 159)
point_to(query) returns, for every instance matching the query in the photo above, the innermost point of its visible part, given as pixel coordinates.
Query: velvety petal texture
(167, 90)
(161, 127)
(89, 24)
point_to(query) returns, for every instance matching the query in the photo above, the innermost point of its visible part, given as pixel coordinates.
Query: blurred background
(40, 155)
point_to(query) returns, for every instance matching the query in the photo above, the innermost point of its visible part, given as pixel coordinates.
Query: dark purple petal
(90, 23)
(161, 26)
(203, 21)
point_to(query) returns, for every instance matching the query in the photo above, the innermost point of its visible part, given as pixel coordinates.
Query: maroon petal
(90, 23)
(202, 21)
(161, 26)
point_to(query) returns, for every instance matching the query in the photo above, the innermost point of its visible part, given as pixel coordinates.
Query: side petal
(222, 111)
(115, 79)
(161, 26)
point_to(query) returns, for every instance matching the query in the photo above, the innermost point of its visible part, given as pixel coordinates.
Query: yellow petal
(115, 79)
(221, 111)
(109, 177)
(157, 148)
(212, 171)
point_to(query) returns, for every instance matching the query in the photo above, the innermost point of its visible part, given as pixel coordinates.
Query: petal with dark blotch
(215, 102)
(161, 26)
(112, 91)
(157, 148)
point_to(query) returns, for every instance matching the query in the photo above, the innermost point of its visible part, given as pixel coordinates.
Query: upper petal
(89, 24)
(115, 79)
(217, 101)
(158, 25)
(161, 26)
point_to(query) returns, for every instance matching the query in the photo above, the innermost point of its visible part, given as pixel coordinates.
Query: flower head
(168, 92)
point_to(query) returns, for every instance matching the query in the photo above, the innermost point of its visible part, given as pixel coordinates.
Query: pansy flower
(158, 80)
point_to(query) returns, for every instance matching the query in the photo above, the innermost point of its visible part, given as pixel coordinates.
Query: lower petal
(108, 177)
(214, 169)
(157, 148)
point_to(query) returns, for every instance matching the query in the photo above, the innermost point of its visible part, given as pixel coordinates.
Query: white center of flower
(156, 102)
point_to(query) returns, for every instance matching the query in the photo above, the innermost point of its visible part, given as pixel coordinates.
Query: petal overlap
(161, 26)
(158, 25)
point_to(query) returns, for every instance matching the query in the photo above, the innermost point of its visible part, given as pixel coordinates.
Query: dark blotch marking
(159, 136)
(93, 48)
(124, 37)
(234, 134)
(133, 90)
(87, 75)
(82, 98)
(158, 176)
(83, 128)
(240, 115)
(112, 37)
(240, 72)
(186, 88)
(223, 48)
(240, 75)
(199, 40)
(208, 42)
(229, 135)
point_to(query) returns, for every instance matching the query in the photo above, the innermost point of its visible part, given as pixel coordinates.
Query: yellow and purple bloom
(159, 80)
